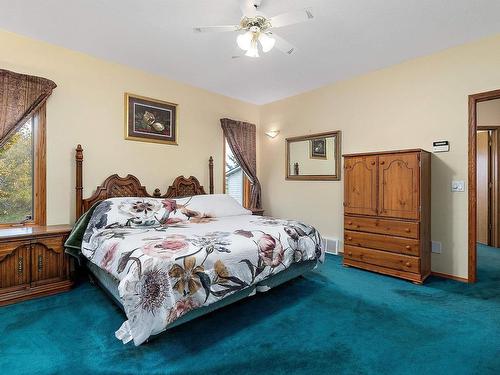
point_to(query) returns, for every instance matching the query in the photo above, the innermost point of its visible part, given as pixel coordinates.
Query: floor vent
(331, 245)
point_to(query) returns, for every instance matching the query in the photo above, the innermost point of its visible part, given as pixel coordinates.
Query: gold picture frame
(292, 170)
(150, 120)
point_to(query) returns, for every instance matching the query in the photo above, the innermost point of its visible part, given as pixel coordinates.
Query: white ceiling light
(253, 51)
(266, 42)
(257, 28)
(245, 40)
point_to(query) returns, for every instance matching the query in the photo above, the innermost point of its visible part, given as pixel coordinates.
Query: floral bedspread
(171, 258)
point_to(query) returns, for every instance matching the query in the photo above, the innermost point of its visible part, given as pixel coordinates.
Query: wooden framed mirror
(314, 157)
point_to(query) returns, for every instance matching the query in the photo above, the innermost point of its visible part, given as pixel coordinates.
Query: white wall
(409, 105)
(405, 106)
(87, 107)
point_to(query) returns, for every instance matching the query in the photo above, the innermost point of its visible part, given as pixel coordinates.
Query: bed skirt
(110, 285)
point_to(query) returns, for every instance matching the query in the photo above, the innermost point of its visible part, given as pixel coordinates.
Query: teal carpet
(332, 321)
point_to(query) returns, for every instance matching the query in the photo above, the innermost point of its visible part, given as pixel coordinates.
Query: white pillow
(215, 205)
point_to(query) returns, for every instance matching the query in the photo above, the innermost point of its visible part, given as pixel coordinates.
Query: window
(22, 174)
(236, 184)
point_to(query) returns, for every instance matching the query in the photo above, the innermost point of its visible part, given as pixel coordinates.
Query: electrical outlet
(436, 247)
(457, 185)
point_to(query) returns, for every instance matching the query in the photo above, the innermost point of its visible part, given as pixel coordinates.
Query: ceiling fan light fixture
(253, 51)
(245, 40)
(266, 42)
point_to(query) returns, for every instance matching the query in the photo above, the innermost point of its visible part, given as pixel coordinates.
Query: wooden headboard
(130, 186)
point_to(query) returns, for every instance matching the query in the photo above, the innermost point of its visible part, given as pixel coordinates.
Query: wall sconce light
(272, 133)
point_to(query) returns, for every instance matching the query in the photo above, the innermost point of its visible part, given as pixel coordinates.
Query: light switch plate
(458, 186)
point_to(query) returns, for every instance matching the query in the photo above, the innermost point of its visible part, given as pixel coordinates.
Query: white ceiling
(347, 37)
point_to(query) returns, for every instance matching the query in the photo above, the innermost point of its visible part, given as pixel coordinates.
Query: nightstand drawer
(48, 262)
(14, 265)
(33, 262)
(380, 242)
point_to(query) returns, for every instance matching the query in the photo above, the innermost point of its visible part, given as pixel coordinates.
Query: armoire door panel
(14, 266)
(399, 182)
(360, 185)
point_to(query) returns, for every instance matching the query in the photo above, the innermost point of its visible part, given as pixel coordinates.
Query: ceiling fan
(257, 29)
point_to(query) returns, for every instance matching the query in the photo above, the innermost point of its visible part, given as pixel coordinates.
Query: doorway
(484, 173)
(487, 182)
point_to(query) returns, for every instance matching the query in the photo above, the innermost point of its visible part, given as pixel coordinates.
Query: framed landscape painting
(150, 120)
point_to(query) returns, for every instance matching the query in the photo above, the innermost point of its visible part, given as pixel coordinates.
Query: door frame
(472, 232)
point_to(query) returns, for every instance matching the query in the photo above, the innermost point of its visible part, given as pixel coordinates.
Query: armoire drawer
(383, 259)
(381, 242)
(382, 226)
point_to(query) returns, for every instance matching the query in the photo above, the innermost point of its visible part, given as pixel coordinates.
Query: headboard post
(211, 174)
(79, 181)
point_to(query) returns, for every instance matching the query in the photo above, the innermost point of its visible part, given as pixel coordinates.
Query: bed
(167, 259)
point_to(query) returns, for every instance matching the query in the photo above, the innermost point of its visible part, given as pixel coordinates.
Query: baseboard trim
(330, 252)
(451, 277)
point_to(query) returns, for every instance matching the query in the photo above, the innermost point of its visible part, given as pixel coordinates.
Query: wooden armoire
(387, 222)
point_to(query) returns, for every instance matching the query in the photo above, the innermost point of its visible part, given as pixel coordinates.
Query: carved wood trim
(184, 187)
(116, 186)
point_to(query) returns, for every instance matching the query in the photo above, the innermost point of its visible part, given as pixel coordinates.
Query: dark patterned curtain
(241, 137)
(21, 96)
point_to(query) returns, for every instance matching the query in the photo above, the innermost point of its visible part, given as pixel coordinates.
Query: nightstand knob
(382, 162)
(372, 163)
(350, 253)
(349, 223)
(408, 264)
(349, 238)
(408, 247)
(407, 230)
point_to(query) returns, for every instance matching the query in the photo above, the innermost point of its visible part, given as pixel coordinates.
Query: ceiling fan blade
(283, 45)
(290, 18)
(216, 29)
(248, 7)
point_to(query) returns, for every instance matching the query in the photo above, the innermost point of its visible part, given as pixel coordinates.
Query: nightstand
(33, 262)
(257, 211)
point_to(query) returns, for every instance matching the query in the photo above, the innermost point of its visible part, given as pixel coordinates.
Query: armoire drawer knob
(349, 238)
(408, 247)
(382, 162)
(349, 223)
(372, 163)
(408, 264)
(407, 230)
(349, 253)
